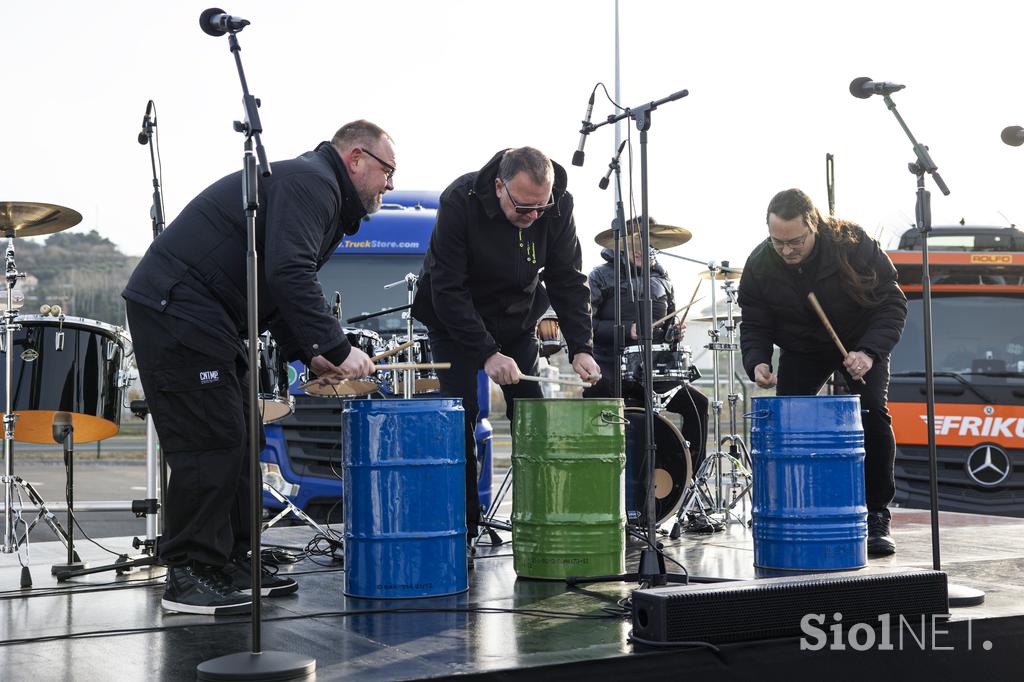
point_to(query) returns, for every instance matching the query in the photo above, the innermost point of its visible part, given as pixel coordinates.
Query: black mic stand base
(268, 665)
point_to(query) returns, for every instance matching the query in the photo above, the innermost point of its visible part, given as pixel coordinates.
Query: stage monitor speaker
(773, 607)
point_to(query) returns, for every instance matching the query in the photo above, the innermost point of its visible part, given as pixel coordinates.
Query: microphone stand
(651, 568)
(257, 664)
(618, 331)
(958, 595)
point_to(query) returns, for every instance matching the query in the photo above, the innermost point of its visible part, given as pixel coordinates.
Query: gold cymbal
(722, 274)
(662, 237)
(29, 219)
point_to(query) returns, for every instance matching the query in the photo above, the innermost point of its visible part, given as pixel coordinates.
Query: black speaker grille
(764, 609)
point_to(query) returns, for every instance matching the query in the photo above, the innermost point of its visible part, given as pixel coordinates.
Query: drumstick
(676, 312)
(396, 349)
(828, 325)
(564, 382)
(413, 365)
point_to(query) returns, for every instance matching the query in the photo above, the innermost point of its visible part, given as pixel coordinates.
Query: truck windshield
(971, 334)
(361, 282)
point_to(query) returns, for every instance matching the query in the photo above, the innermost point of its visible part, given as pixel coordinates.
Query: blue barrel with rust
(809, 512)
(568, 513)
(404, 471)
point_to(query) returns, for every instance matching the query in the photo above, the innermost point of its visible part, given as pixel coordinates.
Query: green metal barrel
(568, 509)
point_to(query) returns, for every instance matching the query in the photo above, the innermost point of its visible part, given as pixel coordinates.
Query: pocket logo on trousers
(210, 376)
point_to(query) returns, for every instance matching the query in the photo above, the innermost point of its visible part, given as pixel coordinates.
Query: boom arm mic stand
(958, 595)
(257, 664)
(651, 568)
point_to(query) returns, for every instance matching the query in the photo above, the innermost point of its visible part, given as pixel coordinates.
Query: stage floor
(105, 627)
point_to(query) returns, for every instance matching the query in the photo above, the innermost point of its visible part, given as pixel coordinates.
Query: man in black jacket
(855, 282)
(688, 402)
(186, 304)
(504, 242)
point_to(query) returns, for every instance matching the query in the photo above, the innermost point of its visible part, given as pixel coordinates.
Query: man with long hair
(855, 282)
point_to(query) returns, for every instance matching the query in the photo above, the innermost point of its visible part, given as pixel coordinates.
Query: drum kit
(64, 379)
(708, 499)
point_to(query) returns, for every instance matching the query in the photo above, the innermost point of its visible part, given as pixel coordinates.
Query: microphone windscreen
(857, 87)
(204, 22)
(1013, 136)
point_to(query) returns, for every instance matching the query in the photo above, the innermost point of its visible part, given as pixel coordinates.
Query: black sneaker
(880, 543)
(239, 572)
(203, 590)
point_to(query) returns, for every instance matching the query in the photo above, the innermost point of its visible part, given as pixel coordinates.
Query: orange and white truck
(977, 276)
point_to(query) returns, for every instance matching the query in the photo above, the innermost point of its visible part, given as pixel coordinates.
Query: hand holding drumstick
(857, 364)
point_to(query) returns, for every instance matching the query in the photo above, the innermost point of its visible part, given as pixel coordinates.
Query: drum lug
(58, 340)
(111, 350)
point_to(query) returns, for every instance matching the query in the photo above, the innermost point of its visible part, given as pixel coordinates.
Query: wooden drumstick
(828, 326)
(396, 349)
(564, 382)
(675, 312)
(413, 365)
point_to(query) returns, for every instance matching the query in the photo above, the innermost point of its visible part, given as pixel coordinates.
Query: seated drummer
(688, 402)
(504, 243)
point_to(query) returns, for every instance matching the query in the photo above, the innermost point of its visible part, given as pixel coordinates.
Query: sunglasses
(522, 209)
(389, 170)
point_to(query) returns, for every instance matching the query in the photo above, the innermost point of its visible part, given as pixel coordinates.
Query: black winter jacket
(773, 298)
(602, 300)
(485, 281)
(196, 268)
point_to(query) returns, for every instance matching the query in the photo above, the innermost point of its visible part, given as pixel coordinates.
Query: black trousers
(197, 391)
(804, 374)
(461, 382)
(688, 403)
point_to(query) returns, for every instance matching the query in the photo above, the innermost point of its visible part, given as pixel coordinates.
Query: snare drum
(69, 364)
(670, 363)
(549, 334)
(424, 380)
(370, 343)
(275, 401)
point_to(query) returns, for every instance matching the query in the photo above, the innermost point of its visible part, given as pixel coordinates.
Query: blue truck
(302, 459)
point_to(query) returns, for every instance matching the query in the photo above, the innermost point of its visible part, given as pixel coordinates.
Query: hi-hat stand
(409, 375)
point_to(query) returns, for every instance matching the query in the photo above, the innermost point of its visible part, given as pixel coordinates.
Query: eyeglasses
(522, 209)
(389, 170)
(797, 243)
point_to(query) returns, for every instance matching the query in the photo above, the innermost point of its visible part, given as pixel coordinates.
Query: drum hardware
(23, 219)
(276, 402)
(704, 509)
(409, 379)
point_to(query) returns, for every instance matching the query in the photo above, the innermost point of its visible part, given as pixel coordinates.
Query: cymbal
(722, 274)
(662, 237)
(28, 219)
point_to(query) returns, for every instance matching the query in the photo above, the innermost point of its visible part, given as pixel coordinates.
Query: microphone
(603, 183)
(216, 23)
(62, 426)
(1013, 136)
(864, 87)
(577, 158)
(147, 123)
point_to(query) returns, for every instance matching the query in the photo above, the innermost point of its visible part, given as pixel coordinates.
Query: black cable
(74, 516)
(671, 645)
(241, 620)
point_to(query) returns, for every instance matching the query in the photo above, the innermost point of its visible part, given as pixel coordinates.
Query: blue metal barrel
(809, 512)
(405, 498)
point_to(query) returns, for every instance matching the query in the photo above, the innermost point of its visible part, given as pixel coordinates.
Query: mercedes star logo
(988, 465)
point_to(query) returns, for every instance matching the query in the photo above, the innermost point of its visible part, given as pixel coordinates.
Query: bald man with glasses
(855, 282)
(504, 247)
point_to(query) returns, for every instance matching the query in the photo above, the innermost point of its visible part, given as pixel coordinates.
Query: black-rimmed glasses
(796, 243)
(389, 170)
(523, 209)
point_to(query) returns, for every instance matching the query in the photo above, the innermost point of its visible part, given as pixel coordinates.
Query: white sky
(454, 81)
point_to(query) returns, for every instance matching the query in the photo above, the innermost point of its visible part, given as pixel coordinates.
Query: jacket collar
(483, 187)
(352, 209)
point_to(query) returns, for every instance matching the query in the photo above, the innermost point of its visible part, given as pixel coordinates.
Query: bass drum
(672, 468)
(68, 364)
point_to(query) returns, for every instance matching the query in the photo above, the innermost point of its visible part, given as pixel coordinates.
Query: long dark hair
(793, 203)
